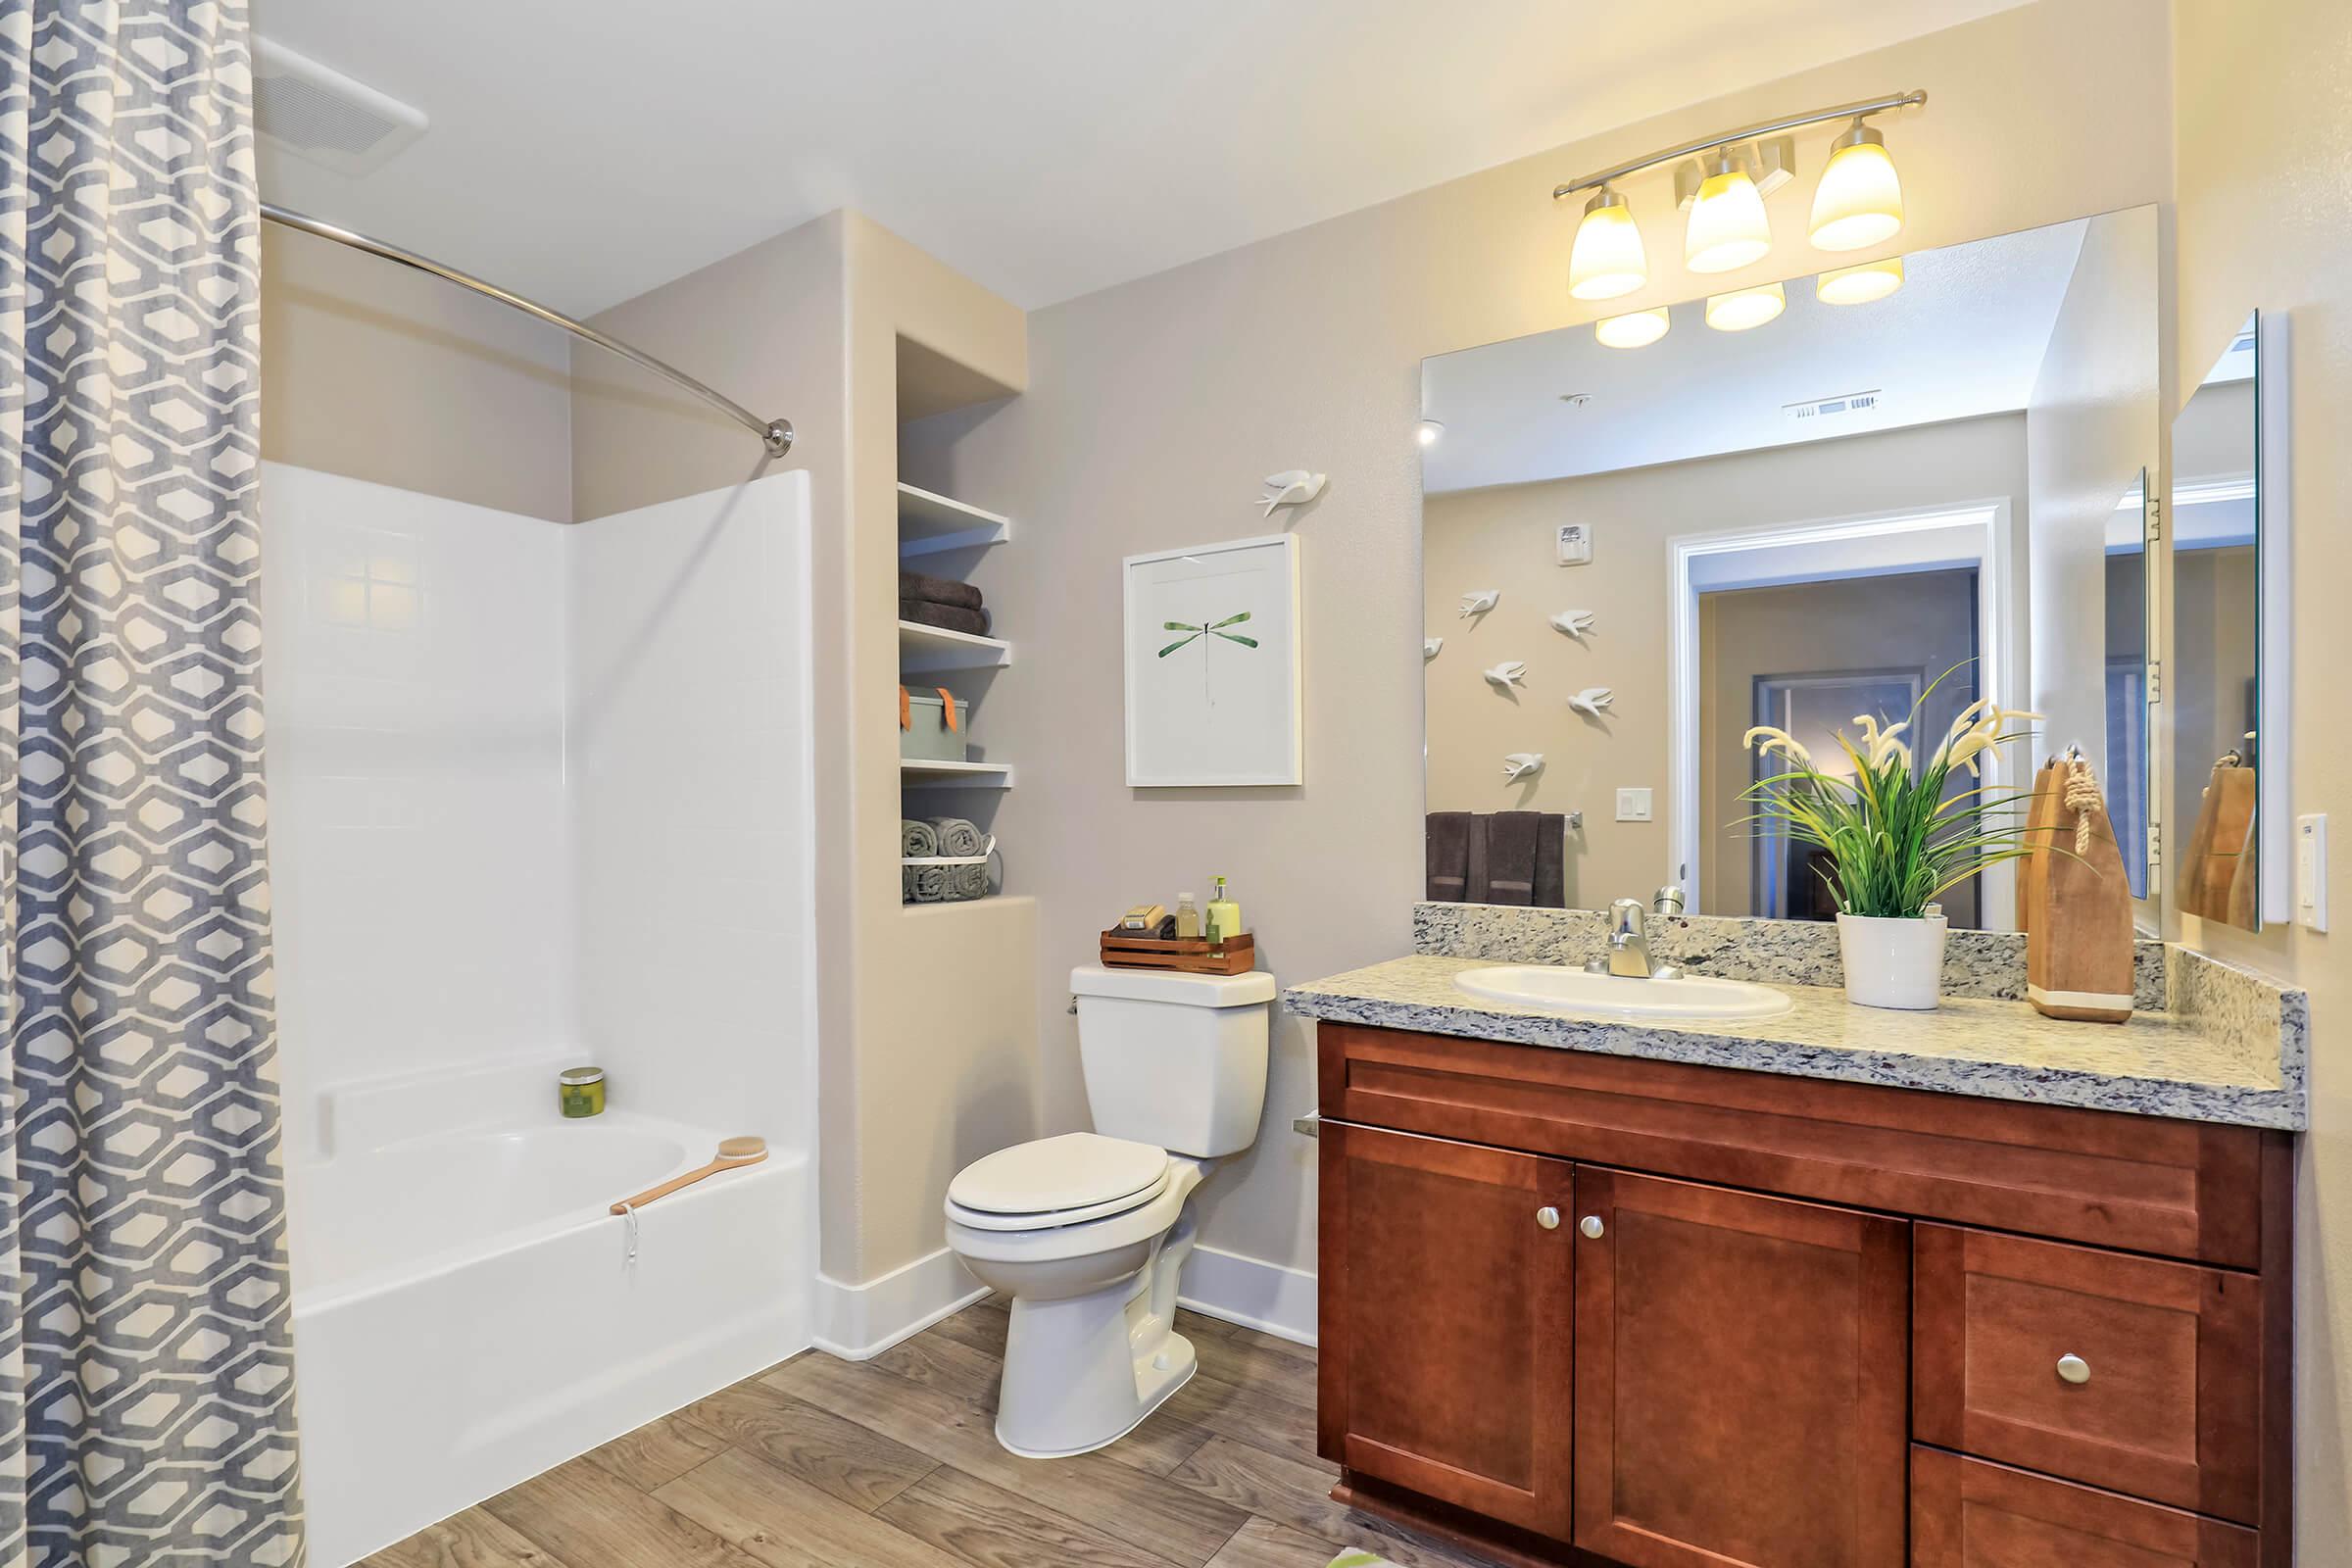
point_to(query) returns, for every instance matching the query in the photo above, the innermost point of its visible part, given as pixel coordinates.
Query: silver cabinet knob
(1548, 1218)
(2074, 1369)
(1591, 1226)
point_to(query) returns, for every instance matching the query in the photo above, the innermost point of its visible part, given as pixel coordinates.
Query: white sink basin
(1609, 995)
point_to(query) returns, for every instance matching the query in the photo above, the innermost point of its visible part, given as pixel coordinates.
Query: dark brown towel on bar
(1511, 856)
(938, 590)
(1552, 861)
(946, 618)
(1448, 851)
(1474, 881)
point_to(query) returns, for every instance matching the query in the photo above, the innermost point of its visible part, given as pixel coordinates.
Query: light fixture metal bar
(774, 434)
(1768, 128)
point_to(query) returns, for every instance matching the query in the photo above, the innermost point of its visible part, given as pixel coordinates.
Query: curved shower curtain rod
(775, 434)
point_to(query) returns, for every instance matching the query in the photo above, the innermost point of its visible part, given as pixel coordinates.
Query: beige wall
(1925, 620)
(2263, 93)
(1501, 538)
(2092, 424)
(926, 1017)
(377, 372)
(1154, 406)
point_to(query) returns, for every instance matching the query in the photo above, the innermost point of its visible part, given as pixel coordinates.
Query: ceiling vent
(325, 117)
(1837, 408)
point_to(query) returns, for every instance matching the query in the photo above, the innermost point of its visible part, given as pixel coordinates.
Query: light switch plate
(1632, 805)
(2311, 870)
(1575, 544)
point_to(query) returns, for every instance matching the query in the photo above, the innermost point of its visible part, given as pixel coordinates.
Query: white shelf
(955, 775)
(924, 650)
(930, 523)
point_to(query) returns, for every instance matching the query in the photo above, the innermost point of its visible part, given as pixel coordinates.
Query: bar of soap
(1143, 917)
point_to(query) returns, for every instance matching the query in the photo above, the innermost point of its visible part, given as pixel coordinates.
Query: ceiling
(1964, 336)
(587, 152)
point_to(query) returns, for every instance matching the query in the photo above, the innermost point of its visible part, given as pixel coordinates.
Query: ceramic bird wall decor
(1292, 487)
(1477, 601)
(1592, 702)
(1576, 624)
(1430, 647)
(1521, 765)
(1507, 674)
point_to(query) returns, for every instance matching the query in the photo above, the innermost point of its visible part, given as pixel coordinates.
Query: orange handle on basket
(905, 712)
(946, 705)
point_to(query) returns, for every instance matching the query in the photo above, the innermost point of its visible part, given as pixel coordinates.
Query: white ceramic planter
(1892, 963)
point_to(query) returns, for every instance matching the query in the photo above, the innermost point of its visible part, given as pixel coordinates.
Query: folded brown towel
(938, 590)
(1449, 857)
(1552, 861)
(923, 613)
(1511, 856)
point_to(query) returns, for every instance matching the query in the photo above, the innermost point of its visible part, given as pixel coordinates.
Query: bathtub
(466, 1313)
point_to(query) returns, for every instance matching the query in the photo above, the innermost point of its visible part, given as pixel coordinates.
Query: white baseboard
(858, 1322)
(1257, 1295)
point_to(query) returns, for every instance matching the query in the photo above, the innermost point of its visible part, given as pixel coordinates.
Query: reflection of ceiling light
(1727, 228)
(1633, 331)
(1859, 201)
(1859, 285)
(1429, 432)
(1745, 307)
(1607, 259)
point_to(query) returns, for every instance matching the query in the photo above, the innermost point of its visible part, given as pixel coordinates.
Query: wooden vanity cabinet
(1597, 1310)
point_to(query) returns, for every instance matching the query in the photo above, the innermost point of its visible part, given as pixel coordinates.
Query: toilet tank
(1174, 1059)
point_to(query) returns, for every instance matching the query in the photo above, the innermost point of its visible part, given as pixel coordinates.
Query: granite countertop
(2159, 1065)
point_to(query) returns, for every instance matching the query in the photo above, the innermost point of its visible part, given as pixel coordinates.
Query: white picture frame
(1231, 713)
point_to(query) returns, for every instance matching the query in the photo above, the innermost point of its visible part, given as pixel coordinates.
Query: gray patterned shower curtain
(146, 1366)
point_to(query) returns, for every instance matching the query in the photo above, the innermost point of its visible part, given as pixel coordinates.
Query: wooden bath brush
(732, 1152)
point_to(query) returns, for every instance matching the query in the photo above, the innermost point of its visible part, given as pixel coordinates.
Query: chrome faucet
(1629, 945)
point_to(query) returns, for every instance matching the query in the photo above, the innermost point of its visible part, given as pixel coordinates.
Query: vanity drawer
(2131, 1373)
(1966, 1513)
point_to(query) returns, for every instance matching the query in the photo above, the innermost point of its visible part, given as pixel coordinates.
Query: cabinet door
(1740, 1378)
(1966, 1513)
(1444, 1300)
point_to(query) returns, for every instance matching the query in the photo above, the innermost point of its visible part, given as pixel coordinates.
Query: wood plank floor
(894, 1464)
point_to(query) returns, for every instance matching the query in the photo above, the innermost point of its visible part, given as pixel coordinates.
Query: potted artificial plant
(1896, 840)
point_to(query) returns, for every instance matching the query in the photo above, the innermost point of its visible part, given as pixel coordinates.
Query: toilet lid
(1054, 1175)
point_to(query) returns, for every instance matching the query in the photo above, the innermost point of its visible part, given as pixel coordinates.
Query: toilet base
(1165, 1383)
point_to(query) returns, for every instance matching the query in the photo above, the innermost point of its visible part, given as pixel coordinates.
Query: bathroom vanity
(1833, 1287)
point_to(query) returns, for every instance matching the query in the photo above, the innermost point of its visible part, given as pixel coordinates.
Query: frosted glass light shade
(1607, 259)
(1859, 285)
(1633, 331)
(1728, 226)
(1745, 307)
(1859, 201)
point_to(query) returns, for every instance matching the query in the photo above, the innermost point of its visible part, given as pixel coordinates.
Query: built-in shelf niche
(931, 650)
(931, 525)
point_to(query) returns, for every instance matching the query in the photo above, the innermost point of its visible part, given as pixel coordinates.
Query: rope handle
(2082, 798)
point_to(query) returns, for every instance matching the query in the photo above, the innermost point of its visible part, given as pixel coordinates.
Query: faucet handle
(1668, 900)
(1625, 917)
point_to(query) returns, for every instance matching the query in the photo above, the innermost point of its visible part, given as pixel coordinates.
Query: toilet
(1088, 1232)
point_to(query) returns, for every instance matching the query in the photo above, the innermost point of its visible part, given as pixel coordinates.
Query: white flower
(1777, 740)
(1878, 745)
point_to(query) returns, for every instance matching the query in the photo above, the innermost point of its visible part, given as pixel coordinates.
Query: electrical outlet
(1575, 544)
(2311, 870)
(1632, 805)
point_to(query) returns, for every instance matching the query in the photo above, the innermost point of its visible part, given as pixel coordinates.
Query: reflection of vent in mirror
(325, 117)
(1850, 403)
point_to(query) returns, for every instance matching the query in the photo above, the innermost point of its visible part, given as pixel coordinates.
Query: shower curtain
(146, 1366)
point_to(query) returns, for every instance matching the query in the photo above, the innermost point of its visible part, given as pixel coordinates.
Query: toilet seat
(1053, 1182)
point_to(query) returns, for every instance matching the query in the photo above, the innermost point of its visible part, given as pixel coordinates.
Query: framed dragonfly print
(1213, 665)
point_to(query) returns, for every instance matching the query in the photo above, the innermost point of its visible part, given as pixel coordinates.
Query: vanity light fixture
(1607, 259)
(1634, 330)
(1727, 228)
(1428, 431)
(1859, 201)
(1744, 308)
(1859, 285)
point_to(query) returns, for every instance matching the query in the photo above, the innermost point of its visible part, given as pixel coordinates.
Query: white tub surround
(2236, 1063)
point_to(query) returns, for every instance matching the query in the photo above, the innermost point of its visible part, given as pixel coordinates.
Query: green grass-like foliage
(1896, 842)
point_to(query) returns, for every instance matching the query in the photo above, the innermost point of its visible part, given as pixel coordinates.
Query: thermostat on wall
(1576, 544)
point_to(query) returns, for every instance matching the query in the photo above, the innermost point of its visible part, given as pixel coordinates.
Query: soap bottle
(1224, 918)
(1188, 918)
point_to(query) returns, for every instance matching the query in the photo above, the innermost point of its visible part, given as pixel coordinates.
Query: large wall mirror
(1931, 488)
(2224, 756)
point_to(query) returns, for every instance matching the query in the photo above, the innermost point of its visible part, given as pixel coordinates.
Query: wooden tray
(1125, 950)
